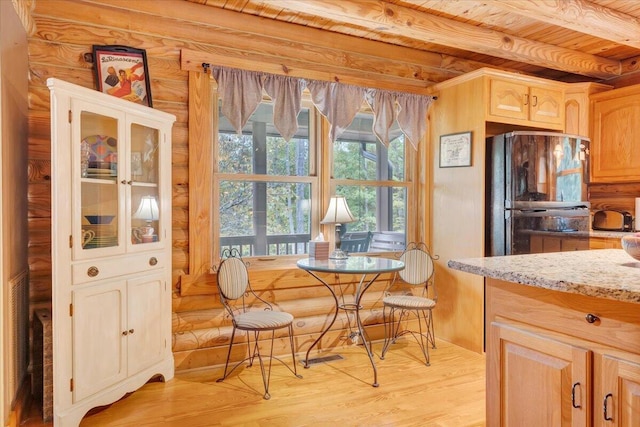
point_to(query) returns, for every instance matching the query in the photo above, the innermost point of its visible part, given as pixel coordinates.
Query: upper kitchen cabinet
(525, 102)
(111, 247)
(509, 98)
(615, 135)
(576, 107)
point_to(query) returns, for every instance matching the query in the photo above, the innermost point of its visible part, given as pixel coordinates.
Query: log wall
(65, 33)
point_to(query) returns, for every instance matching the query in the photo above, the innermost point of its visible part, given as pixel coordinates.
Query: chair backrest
(418, 266)
(356, 245)
(382, 241)
(233, 278)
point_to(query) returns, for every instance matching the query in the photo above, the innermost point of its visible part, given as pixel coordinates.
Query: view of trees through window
(377, 204)
(263, 209)
(265, 186)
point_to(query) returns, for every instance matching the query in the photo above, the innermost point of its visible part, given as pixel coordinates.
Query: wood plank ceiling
(564, 40)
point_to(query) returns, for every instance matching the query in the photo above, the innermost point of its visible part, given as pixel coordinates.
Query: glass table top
(352, 264)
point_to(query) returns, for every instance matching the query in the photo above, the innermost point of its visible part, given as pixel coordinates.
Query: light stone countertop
(602, 273)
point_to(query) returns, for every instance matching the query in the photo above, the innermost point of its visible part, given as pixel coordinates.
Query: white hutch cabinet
(111, 248)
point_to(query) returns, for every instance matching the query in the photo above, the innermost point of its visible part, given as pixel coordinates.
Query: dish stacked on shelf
(105, 231)
(103, 156)
(101, 170)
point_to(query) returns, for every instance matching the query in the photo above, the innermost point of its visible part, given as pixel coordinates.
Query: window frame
(408, 184)
(312, 179)
(320, 178)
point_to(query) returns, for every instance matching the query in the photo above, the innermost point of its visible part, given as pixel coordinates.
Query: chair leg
(391, 329)
(254, 352)
(432, 333)
(424, 336)
(226, 365)
(293, 354)
(266, 376)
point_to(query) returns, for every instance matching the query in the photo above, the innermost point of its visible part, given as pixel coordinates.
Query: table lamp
(147, 210)
(338, 213)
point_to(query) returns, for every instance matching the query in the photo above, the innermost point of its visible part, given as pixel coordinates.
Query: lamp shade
(338, 212)
(148, 209)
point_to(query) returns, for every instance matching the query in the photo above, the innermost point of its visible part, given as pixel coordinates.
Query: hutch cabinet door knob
(153, 261)
(93, 271)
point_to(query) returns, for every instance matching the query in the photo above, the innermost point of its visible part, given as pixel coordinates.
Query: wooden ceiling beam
(222, 29)
(402, 21)
(579, 15)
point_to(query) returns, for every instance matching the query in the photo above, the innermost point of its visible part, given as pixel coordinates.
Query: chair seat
(409, 302)
(263, 320)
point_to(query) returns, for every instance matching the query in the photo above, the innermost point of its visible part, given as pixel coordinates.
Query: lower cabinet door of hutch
(542, 382)
(616, 392)
(145, 322)
(118, 331)
(99, 348)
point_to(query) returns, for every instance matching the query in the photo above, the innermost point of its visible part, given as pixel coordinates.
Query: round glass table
(370, 268)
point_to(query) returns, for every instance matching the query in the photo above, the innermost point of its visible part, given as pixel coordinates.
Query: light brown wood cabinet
(604, 243)
(559, 359)
(542, 244)
(615, 135)
(576, 107)
(526, 103)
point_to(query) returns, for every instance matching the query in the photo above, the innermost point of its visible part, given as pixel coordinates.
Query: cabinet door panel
(509, 99)
(97, 137)
(615, 145)
(546, 105)
(544, 382)
(145, 321)
(618, 383)
(99, 346)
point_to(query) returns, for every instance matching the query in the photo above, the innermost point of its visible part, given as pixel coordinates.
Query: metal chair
(251, 314)
(419, 274)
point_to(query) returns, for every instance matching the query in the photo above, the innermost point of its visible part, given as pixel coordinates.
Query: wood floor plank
(450, 392)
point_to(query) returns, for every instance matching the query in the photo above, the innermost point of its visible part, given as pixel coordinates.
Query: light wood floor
(450, 392)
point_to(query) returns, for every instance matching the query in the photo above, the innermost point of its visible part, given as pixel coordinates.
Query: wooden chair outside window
(251, 314)
(349, 245)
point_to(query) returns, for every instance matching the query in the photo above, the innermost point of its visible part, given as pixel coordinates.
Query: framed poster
(122, 71)
(455, 150)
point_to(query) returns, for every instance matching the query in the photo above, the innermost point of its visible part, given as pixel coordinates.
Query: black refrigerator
(536, 183)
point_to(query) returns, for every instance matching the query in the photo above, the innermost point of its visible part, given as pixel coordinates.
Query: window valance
(241, 93)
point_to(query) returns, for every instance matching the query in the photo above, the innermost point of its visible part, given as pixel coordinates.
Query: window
(372, 178)
(264, 186)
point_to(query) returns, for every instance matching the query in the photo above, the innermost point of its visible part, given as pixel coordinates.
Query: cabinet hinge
(70, 115)
(71, 310)
(70, 241)
(71, 384)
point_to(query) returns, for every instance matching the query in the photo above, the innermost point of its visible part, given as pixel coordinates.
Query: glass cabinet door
(144, 165)
(96, 169)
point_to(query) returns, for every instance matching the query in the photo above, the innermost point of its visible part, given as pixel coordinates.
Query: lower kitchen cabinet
(605, 243)
(537, 374)
(542, 243)
(559, 359)
(616, 391)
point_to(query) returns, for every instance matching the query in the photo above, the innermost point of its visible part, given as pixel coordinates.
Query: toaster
(612, 220)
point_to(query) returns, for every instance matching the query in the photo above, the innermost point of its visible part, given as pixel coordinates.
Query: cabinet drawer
(104, 268)
(617, 324)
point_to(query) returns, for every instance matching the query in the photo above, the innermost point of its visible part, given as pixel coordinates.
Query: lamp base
(338, 254)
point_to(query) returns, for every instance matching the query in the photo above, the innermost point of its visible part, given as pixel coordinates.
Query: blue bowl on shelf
(99, 219)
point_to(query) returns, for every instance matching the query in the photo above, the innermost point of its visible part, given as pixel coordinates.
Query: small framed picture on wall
(455, 150)
(122, 71)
